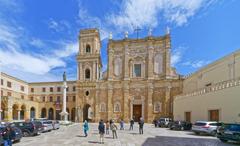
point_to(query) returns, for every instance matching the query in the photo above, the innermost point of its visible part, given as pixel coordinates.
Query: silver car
(56, 125)
(47, 126)
(206, 127)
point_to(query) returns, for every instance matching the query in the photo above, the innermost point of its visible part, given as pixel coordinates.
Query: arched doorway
(86, 112)
(22, 112)
(58, 116)
(15, 112)
(32, 113)
(68, 114)
(73, 114)
(43, 113)
(50, 114)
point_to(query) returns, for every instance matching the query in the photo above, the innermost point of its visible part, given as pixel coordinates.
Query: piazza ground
(73, 136)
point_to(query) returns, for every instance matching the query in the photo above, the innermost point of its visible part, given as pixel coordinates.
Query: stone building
(211, 93)
(139, 82)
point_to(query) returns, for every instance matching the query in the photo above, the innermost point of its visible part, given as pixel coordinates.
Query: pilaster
(110, 104)
(149, 103)
(126, 102)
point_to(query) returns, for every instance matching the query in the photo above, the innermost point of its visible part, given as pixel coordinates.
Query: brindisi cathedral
(139, 82)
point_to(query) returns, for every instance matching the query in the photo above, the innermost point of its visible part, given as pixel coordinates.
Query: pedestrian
(141, 123)
(155, 122)
(8, 136)
(85, 128)
(114, 129)
(111, 121)
(121, 124)
(107, 127)
(131, 124)
(101, 129)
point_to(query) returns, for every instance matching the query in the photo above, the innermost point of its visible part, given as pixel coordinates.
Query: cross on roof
(137, 30)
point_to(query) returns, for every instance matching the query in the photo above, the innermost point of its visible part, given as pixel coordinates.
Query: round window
(87, 93)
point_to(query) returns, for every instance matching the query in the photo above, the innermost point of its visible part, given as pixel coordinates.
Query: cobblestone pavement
(73, 136)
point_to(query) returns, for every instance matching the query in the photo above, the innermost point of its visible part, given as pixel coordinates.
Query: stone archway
(50, 114)
(15, 112)
(43, 113)
(86, 112)
(32, 113)
(22, 112)
(73, 114)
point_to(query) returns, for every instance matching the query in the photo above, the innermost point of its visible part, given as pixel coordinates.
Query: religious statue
(64, 76)
(126, 34)
(110, 35)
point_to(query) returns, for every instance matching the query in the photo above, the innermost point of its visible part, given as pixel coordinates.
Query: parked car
(164, 122)
(229, 132)
(206, 127)
(47, 125)
(56, 125)
(181, 125)
(27, 128)
(17, 137)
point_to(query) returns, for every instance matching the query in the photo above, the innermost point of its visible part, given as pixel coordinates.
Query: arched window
(87, 74)
(117, 107)
(157, 107)
(117, 66)
(102, 107)
(88, 48)
(158, 61)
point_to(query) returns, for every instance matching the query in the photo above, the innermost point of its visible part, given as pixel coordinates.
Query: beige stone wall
(215, 86)
(226, 68)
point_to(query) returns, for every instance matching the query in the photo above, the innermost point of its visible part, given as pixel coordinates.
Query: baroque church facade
(139, 82)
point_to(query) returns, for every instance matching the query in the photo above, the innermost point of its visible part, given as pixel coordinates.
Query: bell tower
(89, 57)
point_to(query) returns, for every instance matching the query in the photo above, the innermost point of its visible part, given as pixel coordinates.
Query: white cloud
(176, 55)
(148, 13)
(37, 43)
(68, 49)
(196, 64)
(59, 26)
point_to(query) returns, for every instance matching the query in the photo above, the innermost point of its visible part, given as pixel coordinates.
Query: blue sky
(39, 39)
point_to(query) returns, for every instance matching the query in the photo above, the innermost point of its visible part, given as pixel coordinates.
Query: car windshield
(233, 127)
(161, 119)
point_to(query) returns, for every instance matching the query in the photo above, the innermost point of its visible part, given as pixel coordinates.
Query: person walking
(141, 123)
(121, 124)
(85, 128)
(114, 129)
(8, 136)
(131, 124)
(155, 122)
(101, 129)
(107, 127)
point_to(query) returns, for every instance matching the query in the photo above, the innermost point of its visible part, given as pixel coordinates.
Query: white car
(56, 125)
(47, 126)
(206, 127)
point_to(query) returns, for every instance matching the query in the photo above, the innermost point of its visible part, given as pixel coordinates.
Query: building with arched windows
(139, 82)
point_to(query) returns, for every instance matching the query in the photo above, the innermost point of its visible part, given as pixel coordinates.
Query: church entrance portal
(137, 112)
(86, 112)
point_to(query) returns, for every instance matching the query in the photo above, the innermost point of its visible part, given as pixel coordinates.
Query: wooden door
(188, 116)
(214, 115)
(137, 112)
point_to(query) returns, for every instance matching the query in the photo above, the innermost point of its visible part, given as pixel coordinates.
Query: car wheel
(214, 133)
(26, 134)
(223, 140)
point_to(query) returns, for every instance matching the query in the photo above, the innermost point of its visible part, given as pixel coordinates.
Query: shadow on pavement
(94, 142)
(182, 141)
(80, 136)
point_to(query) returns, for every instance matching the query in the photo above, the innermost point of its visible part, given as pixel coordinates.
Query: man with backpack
(101, 129)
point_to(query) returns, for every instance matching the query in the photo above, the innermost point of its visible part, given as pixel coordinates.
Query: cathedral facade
(139, 82)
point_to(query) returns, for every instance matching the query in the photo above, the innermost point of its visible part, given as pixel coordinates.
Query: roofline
(236, 52)
(12, 77)
(52, 82)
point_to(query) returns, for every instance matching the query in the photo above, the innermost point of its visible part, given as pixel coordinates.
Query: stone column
(19, 114)
(64, 110)
(167, 56)
(9, 114)
(97, 116)
(167, 100)
(131, 109)
(126, 102)
(110, 104)
(110, 69)
(149, 102)
(150, 61)
(93, 71)
(126, 63)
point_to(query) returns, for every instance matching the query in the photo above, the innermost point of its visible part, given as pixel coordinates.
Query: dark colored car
(17, 137)
(27, 128)
(164, 122)
(181, 125)
(229, 132)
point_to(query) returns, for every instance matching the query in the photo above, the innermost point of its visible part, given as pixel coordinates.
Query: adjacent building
(212, 93)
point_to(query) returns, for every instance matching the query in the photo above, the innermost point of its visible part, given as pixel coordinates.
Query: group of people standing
(104, 128)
